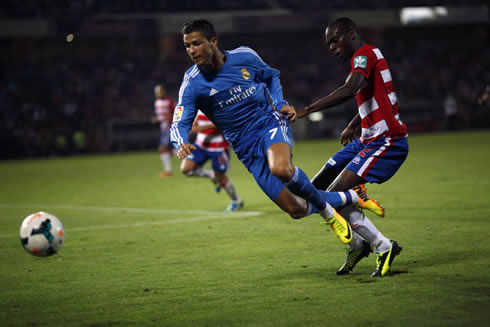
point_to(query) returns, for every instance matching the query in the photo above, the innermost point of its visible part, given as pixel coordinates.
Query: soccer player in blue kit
(242, 96)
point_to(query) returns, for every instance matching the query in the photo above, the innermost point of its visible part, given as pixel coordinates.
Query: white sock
(356, 242)
(364, 227)
(328, 212)
(231, 191)
(166, 161)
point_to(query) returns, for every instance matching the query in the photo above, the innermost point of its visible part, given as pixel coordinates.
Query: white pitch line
(130, 210)
(211, 215)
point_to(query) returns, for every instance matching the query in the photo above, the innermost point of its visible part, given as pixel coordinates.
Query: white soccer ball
(42, 234)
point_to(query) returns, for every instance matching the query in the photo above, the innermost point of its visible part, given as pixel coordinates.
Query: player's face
(159, 91)
(199, 48)
(339, 43)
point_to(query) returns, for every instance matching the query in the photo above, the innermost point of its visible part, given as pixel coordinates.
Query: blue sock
(301, 186)
(311, 209)
(339, 199)
(334, 199)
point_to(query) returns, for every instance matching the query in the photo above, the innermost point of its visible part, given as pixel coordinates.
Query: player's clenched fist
(185, 150)
(289, 112)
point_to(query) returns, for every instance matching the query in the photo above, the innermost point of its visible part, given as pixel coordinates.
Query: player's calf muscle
(294, 206)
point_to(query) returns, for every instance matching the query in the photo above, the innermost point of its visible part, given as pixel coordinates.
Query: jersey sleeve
(184, 114)
(270, 77)
(363, 63)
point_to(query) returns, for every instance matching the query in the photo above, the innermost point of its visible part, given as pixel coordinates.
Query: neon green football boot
(385, 259)
(341, 227)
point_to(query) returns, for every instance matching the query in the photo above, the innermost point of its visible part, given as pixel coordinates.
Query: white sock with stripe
(361, 224)
(348, 197)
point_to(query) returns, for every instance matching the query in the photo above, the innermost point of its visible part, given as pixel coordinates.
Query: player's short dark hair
(202, 26)
(344, 25)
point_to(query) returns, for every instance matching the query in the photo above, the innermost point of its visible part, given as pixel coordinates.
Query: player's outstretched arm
(353, 83)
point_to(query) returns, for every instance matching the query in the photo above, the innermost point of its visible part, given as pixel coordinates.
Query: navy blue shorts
(376, 161)
(220, 160)
(255, 159)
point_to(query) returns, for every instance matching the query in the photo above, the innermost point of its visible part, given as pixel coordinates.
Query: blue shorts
(375, 162)
(220, 160)
(165, 139)
(276, 130)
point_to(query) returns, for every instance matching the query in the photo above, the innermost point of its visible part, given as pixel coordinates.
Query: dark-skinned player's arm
(353, 83)
(349, 133)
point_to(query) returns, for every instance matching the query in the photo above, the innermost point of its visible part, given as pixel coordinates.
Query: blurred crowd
(58, 8)
(56, 97)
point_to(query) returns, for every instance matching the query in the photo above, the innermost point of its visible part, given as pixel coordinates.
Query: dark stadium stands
(59, 97)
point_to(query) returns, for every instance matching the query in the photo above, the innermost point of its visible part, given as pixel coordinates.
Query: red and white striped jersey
(377, 102)
(164, 109)
(209, 139)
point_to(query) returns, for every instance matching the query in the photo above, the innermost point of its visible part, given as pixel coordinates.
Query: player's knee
(186, 171)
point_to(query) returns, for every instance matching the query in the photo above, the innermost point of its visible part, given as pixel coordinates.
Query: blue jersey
(235, 98)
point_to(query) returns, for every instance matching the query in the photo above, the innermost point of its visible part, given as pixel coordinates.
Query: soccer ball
(42, 234)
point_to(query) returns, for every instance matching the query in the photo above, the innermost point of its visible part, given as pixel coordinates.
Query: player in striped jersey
(233, 89)
(164, 110)
(382, 147)
(211, 145)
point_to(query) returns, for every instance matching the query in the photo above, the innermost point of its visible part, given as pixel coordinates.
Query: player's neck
(358, 44)
(218, 61)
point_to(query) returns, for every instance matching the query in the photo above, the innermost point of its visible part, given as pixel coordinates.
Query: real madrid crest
(245, 74)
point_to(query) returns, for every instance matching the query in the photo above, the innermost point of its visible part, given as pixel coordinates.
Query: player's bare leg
(165, 157)
(325, 177)
(295, 206)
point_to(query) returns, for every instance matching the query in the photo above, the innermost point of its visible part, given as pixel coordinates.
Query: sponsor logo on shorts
(356, 160)
(364, 152)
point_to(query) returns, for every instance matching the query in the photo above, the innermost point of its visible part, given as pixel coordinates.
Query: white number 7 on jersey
(273, 132)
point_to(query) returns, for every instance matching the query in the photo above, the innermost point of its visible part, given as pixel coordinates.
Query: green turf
(195, 267)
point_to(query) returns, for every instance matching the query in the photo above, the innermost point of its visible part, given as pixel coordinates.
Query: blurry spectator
(450, 112)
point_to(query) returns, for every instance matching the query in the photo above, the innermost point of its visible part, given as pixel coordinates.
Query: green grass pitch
(145, 251)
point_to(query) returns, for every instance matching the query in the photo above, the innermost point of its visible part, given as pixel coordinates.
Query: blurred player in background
(242, 96)
(377, 154)
(211, 145)
(164, 110)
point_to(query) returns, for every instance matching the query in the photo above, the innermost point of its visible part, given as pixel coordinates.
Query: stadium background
(78, 76)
